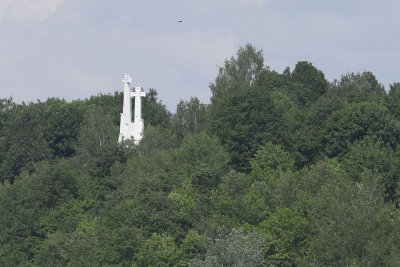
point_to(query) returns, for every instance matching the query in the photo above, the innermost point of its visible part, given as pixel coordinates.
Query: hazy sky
(77, 48)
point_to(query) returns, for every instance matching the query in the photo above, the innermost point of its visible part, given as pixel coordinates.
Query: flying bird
(180, 21)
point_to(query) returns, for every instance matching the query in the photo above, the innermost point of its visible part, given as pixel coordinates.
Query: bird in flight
(180, 21)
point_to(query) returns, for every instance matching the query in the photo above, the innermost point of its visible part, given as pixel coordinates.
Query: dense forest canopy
(280, 169)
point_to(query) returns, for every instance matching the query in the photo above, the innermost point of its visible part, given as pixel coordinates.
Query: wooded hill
(281, 169)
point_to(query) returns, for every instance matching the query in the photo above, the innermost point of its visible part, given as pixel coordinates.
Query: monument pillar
(131, 129)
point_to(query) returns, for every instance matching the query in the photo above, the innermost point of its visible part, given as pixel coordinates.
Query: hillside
(281, 169)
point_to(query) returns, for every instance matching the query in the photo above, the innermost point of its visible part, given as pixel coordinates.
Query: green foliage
(24, 202)
(155, 139)
(350, 222)
(358, 87)
(62, 122)
(247, 119)
(309, 83)
(393, 100)
(379, 159)
(202, 157)
(192, 245)
(24, 142)
(184, 204)
(159, 250)
(234, 249)
(269, 162)
(238, 73)
(308, 123)
(154, 112)
(286, 233)
(309, 170)
(190, 118)
(111, 104)
(356, 122)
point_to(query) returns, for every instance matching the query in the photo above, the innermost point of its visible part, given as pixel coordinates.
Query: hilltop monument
(128, 129)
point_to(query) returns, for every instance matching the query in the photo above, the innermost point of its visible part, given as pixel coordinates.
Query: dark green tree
(393, 100)
(24, 142)
(357, 121)
(247, 119)
(309, 83)
(154, 111)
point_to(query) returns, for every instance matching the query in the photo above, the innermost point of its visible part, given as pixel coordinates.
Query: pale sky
(73, 49)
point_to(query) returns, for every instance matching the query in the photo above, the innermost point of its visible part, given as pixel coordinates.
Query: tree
(97, 143)
(307, 124)
(393, 100)
(6, 106)
(235, 249)
(309, 83)
(356, 122)
(202, 158)
(358, 87)
(159, 250)
(24, 142)
(238, 73)
(154, 112)
(61, 123)
(287, 233)
(246, 120)
(352, 225)
(190, 118)
(377, 157)
(110, 104)
(24, 202)
(269, 162)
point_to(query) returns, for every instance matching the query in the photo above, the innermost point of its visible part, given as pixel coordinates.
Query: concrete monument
(128, 129)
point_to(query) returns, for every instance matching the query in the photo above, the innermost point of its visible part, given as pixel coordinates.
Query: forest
(280, 169)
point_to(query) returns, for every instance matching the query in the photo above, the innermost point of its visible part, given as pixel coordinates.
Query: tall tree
(238, 73)
(309, 83)
(393, 100)
(357, 121)
(190, 118)
(154, 111)
(245, 120)
(358, 87)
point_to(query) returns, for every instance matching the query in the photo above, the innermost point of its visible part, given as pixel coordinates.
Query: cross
(138, 94)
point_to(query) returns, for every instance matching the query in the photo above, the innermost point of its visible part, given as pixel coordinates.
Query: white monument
(129, 129)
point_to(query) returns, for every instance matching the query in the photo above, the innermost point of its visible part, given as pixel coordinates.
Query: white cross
(138, 94)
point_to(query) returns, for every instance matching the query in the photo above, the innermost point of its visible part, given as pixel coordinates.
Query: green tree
(379, 159)
(192, 245)
(61, 123)
(287, 233)
(238, 73)
(24, 202)
(358, 87)
(235, 249)
(154, 112)
(393, 100)
(357, 121)
(158, 250)
(269, 162)
(190, 118)
(24, 142)
(110, 104)
(97, 145)
(309, 83)
(307, 133)
(352, 225)
(246, 120)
